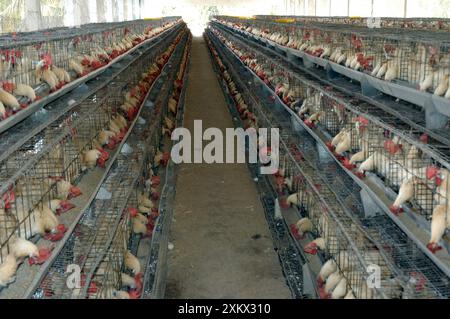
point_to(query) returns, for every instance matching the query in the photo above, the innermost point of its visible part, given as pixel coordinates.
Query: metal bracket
(331, 74)
(367, 89)
(370, 207)
(434, 119)
(308, 63)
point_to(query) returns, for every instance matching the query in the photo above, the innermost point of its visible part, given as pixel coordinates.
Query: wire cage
(55, 153)
(369, 135)
(420, 61)
(313, 207)
(108, 275)
(416, 23)
(106, 230)
(46, 60)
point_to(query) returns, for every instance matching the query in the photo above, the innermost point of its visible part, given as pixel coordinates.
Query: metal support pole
(33, 17)
(101, 11)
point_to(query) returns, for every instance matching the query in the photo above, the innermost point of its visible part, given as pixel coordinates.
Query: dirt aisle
(222, 244)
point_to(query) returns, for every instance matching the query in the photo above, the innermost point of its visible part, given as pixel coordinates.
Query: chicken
(405, 193)
(341, 58)
(120, 121)
(340, 290)
(2, 111)
(144, 201)
(443, 190)
(77, 67)
(89, 158)
(9, 100)
(46, 75)
(314, 118)
(427, 82)
(315, 245)
(111, 293)
(358, 157)
(303, 226)
(62, 75)
(332, 281)
(382, 70)
(128, 281)
(440, 221)
(335, 141)
(293, 199)
(105, 136)
(344, 144)
(392, 71)
(8, 270)
(65, 190)
(442, 87)
(45, 221)
(376, 69)
(28, 223)
(173, 105)
(22, 248)
(25, 90)
(131, 262)
(447, 94)
(326, 270)
(139, 224)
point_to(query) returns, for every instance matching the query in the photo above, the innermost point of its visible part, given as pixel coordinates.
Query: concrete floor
(222, 244)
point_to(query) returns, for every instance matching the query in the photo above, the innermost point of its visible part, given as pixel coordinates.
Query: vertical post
(115, 11)
(125, 10)
(405, 8)
(33, 17)
(81, 12)
(101, 11)
(348, 8)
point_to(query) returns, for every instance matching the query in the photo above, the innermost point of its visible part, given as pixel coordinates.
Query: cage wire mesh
(368, 135)
(420, 59)
(56, 153)
(105, 233)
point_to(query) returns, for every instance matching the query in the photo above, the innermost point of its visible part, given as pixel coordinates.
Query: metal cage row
(420, 60)
(58, 153)
(106, 232)
(46, 60)
(335, 117)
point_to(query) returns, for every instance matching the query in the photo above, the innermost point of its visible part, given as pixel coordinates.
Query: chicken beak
(74, 192)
